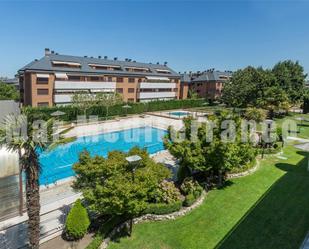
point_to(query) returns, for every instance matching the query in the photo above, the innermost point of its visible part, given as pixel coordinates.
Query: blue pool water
(57, 164)
(179, 114)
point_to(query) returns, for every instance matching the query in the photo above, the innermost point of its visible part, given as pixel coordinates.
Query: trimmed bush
(77, 222)
(190, 186)
(71, 112)
(163, 208)
(189, 200)
(167, 193)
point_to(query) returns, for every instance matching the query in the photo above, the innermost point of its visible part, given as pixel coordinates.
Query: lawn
(266, 210)
(302, 125)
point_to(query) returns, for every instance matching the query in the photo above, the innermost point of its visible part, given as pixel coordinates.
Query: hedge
(190, 199)
(77, 222)
(163, 208)
(71, 112)
(103, 232)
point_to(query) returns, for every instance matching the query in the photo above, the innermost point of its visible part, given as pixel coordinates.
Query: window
(223, 77)
(67, 64)
(131, 90)
(74, 77)
(131, 80)
(42, 91)
(43, 104)
(130, 99)
(119, 79)
(163, 71)
(42, 81)
(110, 79)
(140, 80)
(94, 78)
(119, 90)
(138, 69)
(105, 67)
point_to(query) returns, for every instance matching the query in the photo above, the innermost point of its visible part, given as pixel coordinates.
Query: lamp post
(133, 162)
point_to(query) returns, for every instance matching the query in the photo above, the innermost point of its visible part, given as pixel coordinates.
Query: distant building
(13, 81)
(184, 87)
(207, 84)
(53, 79)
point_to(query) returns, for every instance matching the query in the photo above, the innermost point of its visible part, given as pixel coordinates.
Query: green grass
(302, 125)
(266, 210)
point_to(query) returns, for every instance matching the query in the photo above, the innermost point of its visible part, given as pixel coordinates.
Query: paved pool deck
(98, 127)
(57, 199)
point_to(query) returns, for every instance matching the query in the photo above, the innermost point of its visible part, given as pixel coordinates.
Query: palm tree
(18, 134)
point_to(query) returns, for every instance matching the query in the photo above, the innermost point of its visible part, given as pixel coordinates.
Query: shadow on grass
(280, 218)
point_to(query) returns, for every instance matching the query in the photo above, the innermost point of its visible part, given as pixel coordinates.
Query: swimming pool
(179, 114)
(57, 164)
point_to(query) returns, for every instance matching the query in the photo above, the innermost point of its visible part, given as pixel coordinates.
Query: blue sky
(189, 35)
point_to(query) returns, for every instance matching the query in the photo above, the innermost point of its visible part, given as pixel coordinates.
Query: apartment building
(207, 84)
(55, 78)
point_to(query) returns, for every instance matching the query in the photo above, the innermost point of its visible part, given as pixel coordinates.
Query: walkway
(305, 244)
(55, 204)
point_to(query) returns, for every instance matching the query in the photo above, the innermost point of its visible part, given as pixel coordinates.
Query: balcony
(156, 95)
(84, 85)
(62, 98)
(151, 85)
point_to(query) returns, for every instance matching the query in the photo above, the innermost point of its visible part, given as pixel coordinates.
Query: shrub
(163, 208)
(189, 200)
(77, 222)
(255, 114)
(103, 231)
(191, 187)
(167, 193)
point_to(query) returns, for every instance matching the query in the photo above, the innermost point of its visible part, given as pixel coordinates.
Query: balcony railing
(73, 85)
(157, 85)
(156, 95)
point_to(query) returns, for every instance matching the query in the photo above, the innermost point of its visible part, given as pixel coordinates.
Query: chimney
(47, 51)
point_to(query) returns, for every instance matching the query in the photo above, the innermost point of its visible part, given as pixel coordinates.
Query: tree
(23, 135)
(77, 222)
(306, 101)
(291, 78)
(212, 158)
(246, 87)
(83, 100)
(108, 100)
(110, 185)
(255, 114)
(8, 92)
(192, 94)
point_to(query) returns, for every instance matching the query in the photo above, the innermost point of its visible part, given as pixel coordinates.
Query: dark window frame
(42, 91)
(42, 81)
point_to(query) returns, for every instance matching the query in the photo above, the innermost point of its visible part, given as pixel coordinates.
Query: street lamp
(133, 162)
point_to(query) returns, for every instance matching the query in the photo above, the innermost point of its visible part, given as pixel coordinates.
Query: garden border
(172, 216)
(245, 173)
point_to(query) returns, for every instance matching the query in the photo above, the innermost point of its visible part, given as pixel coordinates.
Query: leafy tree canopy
(8, 92)
(269, 89)
(111, 186)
